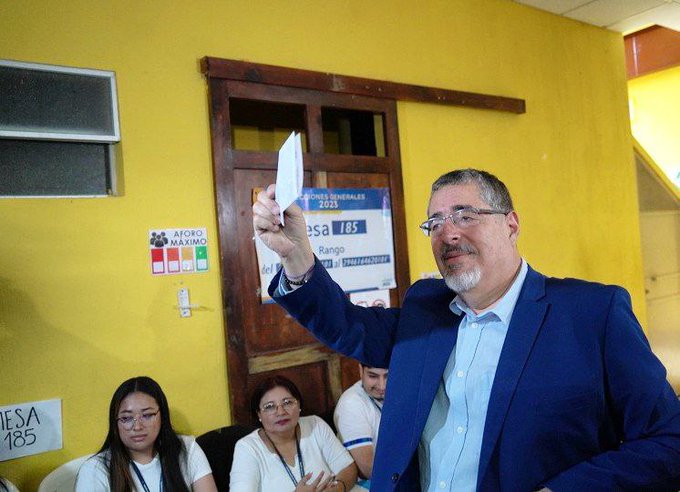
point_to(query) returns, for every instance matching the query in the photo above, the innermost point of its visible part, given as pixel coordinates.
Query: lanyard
(141, 478)
(375, 403)
(285, 465)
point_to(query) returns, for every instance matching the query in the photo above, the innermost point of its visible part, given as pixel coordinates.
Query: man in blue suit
(500, 378)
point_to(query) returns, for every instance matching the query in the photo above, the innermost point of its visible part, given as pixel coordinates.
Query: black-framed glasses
(127, 422)
(463, 218)
(287, 404)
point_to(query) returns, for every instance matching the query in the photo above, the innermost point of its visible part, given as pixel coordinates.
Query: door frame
(323, 167)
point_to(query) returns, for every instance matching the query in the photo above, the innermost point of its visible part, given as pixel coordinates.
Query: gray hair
(491, 189)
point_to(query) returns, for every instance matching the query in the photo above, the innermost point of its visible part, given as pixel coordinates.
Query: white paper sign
(30, 428)
(350, 230)
(371, 298)
(289, 173)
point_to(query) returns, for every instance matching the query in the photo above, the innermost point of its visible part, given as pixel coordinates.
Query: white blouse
(256, 469)
(93, 475)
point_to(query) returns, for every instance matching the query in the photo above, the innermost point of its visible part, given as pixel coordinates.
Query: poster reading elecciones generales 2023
(350, 230)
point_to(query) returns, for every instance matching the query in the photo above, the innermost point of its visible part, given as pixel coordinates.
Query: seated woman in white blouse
(289, 452)
(142, 452)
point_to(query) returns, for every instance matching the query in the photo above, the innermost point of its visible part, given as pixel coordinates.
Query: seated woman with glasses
(289, 452)
(141, 451)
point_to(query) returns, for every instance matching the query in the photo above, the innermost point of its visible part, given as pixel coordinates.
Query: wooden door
(249, 120)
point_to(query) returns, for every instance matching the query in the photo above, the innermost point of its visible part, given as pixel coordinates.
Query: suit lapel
(526, 322)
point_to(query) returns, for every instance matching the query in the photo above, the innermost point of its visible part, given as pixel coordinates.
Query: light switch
(183, 303)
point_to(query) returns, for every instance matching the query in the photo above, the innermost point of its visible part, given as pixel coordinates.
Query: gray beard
(464, 281)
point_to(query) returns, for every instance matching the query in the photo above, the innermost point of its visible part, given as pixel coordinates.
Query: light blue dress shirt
(451, 443)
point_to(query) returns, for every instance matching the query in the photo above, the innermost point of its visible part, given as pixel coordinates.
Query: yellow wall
(655, 119)
(80, 311)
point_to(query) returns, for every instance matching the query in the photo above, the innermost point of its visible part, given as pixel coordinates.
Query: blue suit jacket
(579, 402)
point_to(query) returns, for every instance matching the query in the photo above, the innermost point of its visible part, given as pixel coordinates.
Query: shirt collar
(505, 306)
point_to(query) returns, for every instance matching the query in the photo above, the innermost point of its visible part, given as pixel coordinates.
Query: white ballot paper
(289, 173)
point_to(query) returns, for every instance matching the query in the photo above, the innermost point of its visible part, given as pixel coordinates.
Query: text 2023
(326, 204)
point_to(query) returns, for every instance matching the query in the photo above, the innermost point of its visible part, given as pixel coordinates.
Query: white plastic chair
(63, 479)
(8, 485)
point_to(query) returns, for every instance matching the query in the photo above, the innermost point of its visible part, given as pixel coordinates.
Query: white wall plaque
(30, 428)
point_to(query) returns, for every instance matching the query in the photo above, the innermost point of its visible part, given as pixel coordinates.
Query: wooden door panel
(311, 380)
(292, 95)
(349, 369)
(269, 328)
(358, 180)
(262, 339)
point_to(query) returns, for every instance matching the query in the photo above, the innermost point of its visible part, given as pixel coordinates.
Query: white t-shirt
(93, 475)
(256, 469)
(357, 418)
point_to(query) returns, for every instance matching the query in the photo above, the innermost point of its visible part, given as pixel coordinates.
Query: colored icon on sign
(187, 259)
(158, 239)
(201, 258)
(173, 260)
(157, 262)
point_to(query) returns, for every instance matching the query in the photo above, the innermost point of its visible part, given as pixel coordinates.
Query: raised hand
(290, 242)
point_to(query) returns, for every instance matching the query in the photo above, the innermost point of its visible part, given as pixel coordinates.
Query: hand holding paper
(290, 243)
(289, 175)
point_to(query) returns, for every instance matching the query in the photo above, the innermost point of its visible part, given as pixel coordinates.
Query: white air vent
(49, 102)
(59, 132)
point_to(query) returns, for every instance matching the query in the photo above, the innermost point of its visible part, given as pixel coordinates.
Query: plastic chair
(6, 485)
(218, 446)
(63, 479)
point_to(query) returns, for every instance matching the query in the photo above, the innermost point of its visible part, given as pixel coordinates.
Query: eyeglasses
(128, 422)
(463, 218)
(287, 404)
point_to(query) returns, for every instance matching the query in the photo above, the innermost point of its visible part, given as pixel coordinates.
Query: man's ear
(512, 219)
